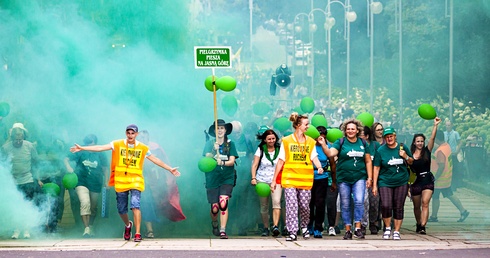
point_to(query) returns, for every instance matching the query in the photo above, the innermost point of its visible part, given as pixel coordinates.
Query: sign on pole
(212, 57)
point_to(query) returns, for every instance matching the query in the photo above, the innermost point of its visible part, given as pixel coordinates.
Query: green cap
(388, 130)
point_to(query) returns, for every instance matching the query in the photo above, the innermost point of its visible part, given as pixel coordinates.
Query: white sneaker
(387, 234)
(27, 235)
(331, 231)
(86, 232)
(396, 235)
(16, 234)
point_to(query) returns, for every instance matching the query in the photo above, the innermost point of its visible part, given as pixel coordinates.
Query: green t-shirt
(221, 175)
(350, 164)
(393, 170)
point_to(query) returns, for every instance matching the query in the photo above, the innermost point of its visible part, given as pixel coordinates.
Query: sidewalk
(445, 234)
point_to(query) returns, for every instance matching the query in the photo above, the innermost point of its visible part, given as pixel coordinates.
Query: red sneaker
(137, 238)
(127, 231)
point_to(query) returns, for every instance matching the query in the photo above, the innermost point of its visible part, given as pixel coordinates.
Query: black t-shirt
(422, 165)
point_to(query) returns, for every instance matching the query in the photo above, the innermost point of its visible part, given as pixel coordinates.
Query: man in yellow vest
(128, 156)
(442, 168)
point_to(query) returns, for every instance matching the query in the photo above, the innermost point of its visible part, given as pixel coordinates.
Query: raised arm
(94, 148)
(430, 145)
(160, 163)
(330, 152)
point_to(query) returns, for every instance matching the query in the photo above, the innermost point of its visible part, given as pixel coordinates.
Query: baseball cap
(132, 127)
(388, 130)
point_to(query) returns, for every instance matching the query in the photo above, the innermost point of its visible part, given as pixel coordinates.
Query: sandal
(291, 237)
(223, 235)
(306, 233)
(464, 215)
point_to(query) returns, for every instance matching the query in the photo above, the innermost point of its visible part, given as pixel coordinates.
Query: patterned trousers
(297, 199)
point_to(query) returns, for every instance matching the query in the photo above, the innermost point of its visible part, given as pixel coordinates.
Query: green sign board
(212, 57)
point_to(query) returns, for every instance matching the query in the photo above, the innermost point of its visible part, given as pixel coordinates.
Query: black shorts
(417, 189)
(446, 192)
(214, 193)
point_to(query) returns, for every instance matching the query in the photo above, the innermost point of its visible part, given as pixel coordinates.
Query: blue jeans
(122, 200)
(357, 190)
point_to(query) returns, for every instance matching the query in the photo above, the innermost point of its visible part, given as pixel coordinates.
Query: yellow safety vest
(127, 166)
(298, 169)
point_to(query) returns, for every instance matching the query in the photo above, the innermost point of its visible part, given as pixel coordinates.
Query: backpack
(364, 143)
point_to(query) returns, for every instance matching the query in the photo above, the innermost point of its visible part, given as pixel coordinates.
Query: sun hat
(221, 122)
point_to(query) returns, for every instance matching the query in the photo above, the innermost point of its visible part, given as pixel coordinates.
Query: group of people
(31, 170)
(364, 175)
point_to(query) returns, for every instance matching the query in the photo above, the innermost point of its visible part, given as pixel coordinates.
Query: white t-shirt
(265, 171)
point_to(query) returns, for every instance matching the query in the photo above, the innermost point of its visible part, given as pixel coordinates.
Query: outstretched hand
(75, 148)
(175, 171)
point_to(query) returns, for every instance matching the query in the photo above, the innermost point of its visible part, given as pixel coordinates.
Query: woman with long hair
(423, 187)
(263, 167)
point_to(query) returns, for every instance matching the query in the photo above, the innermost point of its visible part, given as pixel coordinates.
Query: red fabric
(167, 197)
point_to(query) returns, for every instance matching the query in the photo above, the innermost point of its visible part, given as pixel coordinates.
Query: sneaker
(137, 237)
(348, 235)
(311, 229)
(214, 224)
(433, 219)
(149, 234)
(337, 230)
(374, 229)
(222, 235)
(265, 232)
(387, 234)
(16, 234)
(363, 230)
(422, 230)
(127, 231)
(291, 237)
(358, 234)
(306, 233)
(396, 235)
(27, 235)
(275, 231)
(92, 231)
(331, 231)
(317, 234)
(86, 232)
(464, 215)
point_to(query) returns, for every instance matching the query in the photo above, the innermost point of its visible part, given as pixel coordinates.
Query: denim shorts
(122, 200)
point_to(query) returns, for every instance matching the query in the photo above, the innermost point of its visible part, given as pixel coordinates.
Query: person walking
(91, 169)
(441, 165)
(354, 174)
(128, 156)
(321, 190)
(423, 187)
(296, 155)
(262, 171)
(220, 181)
(390, 181)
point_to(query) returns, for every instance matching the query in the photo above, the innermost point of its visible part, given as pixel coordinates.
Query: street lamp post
(373, 8)
(349, 16)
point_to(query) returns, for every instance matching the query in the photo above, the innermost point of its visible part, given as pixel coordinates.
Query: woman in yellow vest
(128, 156)
(297, 154)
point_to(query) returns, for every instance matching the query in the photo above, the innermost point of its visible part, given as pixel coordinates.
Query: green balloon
(334, 134)
(261, 108)
(51, 189)
(319, 120)
(229, 105)
(226, 83)
(366, 118)
(4, 109)
(307, 104)
(298, 110)
(426, 111)
(206, 164)
(263, 189)
(70, 180)
(208, 83)
(312, 132)
(282, 124)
